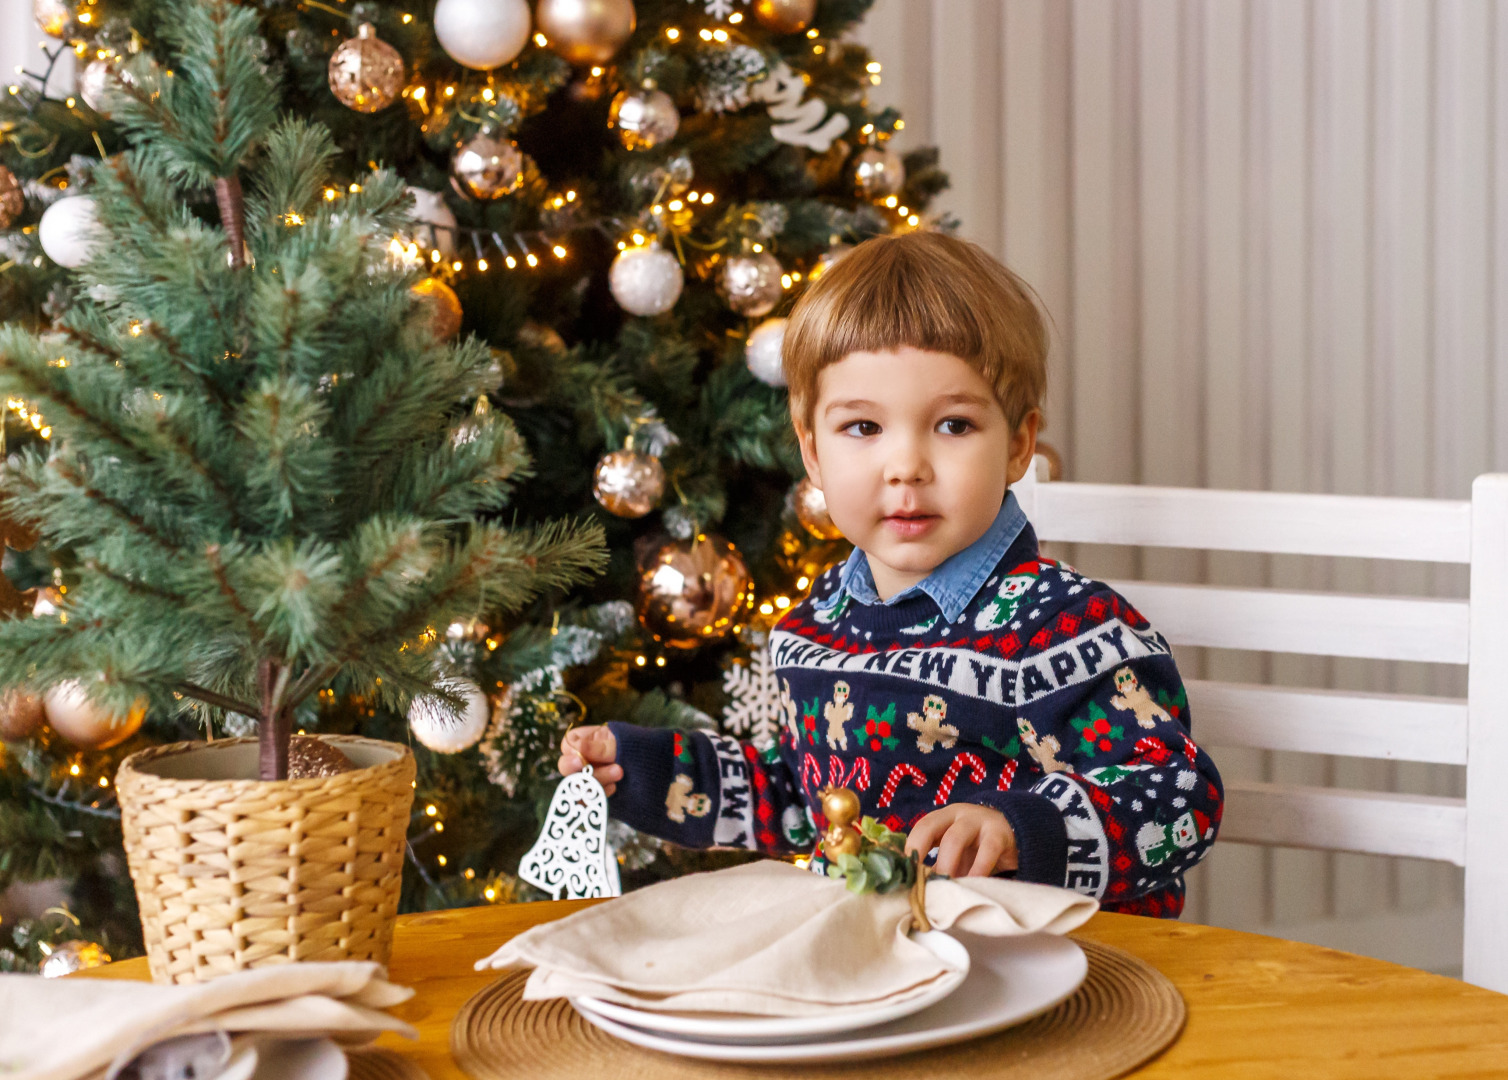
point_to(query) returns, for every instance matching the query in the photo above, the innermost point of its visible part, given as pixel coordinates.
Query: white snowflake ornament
(717, 9)
(572, 859)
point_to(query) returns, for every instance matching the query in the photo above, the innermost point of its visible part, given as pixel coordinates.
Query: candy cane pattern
(811, 775)
(1190, 751)
(976, 774)
(1151, 747)
(903, 771)
(1007, 774)
(857, 775)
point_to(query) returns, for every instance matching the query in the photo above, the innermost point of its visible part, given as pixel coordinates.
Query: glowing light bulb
(673, 33)
(481, 264)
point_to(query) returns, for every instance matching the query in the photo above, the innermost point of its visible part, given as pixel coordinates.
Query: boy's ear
(808, 444)
(1023, 445)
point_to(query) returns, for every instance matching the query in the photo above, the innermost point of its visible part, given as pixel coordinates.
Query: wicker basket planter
(234, 873)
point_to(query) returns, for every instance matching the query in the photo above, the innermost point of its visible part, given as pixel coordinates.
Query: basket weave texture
(234, 874)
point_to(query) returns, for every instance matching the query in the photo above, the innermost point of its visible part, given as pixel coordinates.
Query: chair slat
(1321, 624)
(1351, 526)
(1389, 726)
(1333, 819)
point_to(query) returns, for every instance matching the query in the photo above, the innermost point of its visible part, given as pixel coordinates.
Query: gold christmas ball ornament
(692, 591)
(366, 73)
(482, 34)
(12, 198)
(444, 307)
(878, 172)
(71, 956)
(646, 280)
(644, 118)
(840, 805)
(21, 715)
(750, 283)
(811, 510)
(487, 167)
(84, 723)
(446, 732)
(628, 483)
(841, 840)
(310, 758)
(53, 17)
(785, 16)
(586, 31)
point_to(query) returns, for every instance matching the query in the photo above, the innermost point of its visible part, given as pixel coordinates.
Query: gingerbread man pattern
(837, 713)
(1133, 698)
(929, 727)
(680, 800)
(1042, 747)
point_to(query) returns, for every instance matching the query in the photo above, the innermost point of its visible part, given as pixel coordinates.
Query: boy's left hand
(970, 840)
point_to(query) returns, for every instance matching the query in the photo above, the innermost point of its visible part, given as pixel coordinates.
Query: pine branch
(219, 701)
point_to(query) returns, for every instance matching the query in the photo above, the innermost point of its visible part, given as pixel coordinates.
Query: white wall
(19, 38)
(1273, 237)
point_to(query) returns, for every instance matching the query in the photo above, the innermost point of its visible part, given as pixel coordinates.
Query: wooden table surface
(1258, 1006)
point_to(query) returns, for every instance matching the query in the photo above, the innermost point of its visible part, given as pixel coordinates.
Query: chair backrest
(1470, 832)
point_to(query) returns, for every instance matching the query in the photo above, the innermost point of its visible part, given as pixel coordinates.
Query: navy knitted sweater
(1049, 699)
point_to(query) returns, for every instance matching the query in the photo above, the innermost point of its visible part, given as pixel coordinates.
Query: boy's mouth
(910, 524)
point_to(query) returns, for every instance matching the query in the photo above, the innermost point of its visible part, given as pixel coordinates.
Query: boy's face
(914, 454)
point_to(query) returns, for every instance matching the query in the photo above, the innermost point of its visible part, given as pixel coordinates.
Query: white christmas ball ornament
(763, 352)
(646, 280)
(441, 730)
(85, 724)
(482, 34)
(69, 230)
(436, 224)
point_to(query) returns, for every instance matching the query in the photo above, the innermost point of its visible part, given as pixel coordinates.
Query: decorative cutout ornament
(482, 34)
(586, 31)
(644, 118)
(693, 591)
(487, 167)
(811, 510)
(366, 73)
(12, 198)
(628, 483)
(762, 353)
(751, 283)
(800, 123)
(646, 280)
(571, 859)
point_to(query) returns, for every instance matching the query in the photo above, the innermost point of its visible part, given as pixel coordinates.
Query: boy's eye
(862, 427)
(955, 425)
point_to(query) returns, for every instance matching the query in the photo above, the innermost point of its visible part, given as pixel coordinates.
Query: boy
(1017, 717)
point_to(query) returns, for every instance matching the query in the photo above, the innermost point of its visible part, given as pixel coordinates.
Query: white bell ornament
(572, 859)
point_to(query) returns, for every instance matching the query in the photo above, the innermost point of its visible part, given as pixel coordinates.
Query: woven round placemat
(373, 1064)
(1125, 1013)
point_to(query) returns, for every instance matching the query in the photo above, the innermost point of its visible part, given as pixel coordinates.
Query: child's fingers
(924, 834)
(992, 845)
(955, 844)
(594, 745)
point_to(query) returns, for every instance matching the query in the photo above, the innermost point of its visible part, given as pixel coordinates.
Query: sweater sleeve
(1115, 799)
(700, 789)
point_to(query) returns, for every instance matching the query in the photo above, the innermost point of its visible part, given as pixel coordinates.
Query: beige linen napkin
(770, 939)
(67, 1029)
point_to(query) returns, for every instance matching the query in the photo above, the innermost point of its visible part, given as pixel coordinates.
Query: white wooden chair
(1470, 832)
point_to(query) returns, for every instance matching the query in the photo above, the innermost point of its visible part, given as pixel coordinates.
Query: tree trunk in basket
(275, 729)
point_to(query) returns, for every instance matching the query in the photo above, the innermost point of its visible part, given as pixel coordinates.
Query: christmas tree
(613, 203)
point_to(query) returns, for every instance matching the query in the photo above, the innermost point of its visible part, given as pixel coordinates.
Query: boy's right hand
(594, 746)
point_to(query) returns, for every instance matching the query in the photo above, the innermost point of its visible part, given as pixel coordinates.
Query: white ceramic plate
(300, 1059)
(1010, 981)
(784, 1029)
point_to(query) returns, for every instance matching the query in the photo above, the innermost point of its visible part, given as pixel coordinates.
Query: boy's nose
(906, 464)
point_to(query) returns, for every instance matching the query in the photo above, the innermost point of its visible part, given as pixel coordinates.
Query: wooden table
(1258, 1006)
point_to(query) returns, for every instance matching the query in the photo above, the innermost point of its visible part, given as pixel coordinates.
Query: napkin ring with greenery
(871, 858)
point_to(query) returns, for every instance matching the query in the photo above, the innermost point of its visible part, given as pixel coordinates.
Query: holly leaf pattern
(1096, 733)
(683, 748)
(1010, 748)
(874, 732)
(809, 714)
(1173, 703)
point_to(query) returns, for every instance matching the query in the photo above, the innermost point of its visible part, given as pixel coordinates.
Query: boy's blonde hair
(930, 291)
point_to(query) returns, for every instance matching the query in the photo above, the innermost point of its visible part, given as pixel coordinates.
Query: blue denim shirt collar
(955, 581)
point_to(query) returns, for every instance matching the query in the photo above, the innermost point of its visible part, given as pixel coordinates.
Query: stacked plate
(998, 982)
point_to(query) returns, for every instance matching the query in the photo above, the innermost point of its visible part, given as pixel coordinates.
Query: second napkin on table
(770, 939)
